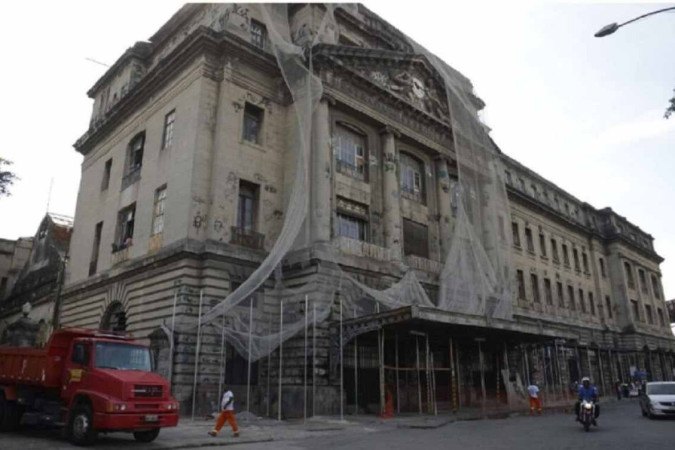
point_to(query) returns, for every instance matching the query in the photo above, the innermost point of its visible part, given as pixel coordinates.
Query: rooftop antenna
(49, 196)
(96, 62)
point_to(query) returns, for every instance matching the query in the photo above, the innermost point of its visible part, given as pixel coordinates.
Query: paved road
(621, 426)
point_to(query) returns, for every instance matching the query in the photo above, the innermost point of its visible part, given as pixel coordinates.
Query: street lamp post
(612, 27)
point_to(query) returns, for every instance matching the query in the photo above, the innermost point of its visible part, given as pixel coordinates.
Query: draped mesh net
(476, 275)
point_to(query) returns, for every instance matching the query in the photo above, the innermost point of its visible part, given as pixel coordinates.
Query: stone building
(39, 276)
(13, 256)
(185, 184)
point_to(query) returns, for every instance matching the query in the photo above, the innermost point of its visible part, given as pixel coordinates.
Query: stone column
(393, 236)
(444, 195)
(320, 175)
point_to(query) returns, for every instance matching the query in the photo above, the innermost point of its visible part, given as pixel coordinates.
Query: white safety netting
(476, 275)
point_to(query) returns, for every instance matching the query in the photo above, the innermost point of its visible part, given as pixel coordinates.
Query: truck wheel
(146, 436)
(9, 415)
(81, 426)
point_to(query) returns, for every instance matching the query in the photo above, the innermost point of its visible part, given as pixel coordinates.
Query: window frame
(250, 193)
(412, 168)
(253, 113)
(415, 228)
(107, 171)
(347, 158)
(124, 239)
(133, 152)
(168, 130)
(157, 215)
(515, 234)
(258, 40)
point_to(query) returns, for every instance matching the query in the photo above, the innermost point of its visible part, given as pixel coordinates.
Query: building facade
(186, 179)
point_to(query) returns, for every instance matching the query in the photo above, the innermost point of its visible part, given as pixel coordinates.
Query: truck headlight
(119, 407)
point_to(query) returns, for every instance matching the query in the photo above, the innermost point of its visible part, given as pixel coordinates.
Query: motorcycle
(587, 414)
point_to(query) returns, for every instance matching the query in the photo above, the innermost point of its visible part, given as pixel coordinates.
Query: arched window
(412, 178)
(114, 318)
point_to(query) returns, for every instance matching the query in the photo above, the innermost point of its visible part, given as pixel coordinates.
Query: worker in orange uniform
(535, 401)
(226, 415)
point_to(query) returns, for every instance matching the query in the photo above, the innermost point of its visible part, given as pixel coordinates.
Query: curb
(198, 443)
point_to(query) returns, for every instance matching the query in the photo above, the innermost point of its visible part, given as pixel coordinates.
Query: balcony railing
(351, 170)
(411, 194)
(361, 248)
(420, 263)
(247, 238)
(131, 177)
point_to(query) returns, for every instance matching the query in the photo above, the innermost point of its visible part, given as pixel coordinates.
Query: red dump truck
(87, 382)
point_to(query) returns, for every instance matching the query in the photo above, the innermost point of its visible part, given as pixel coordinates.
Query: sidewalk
(193, 434)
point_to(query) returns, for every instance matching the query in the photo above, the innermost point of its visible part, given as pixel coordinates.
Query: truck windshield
(122, 357)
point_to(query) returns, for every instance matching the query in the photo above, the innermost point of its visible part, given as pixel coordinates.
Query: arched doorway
(114, 318)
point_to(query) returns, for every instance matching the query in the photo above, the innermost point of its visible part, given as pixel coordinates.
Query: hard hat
(585, 379)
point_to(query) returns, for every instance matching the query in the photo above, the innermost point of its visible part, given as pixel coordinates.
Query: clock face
(418, 87)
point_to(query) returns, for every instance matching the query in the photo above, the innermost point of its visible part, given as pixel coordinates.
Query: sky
(585, 113)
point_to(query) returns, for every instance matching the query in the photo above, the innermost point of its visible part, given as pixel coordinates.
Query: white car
(658, 399)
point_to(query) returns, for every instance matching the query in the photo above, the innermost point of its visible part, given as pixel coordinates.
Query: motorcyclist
(587, 392)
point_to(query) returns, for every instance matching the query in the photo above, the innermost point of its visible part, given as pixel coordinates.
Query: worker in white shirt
(535, 401)
(226, 415)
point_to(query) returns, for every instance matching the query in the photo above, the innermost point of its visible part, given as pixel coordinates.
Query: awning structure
(441, 321)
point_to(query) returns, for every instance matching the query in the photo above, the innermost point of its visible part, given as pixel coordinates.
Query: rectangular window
(542, 244)
(516, 234)
(136, 153)
(253, 122)
(643, 281)
(247, 206)
(105, 181)
(3, 286)
(351, 152)
(636, 309)
(352, 227)
(584, 260)
(566, 255)
(530, 241)
(535, 287)
(561, 296)
(412, 179)
(547, 291)
(591, 303)
(570, 294)
(258, 34)
(629, 275)
(648, 313)
(575, 254)
(655, 287)
(158, 211)
(167, 136)
(415, 239)
(520, 279)
(93, 263)
(608, 305)
(582, 301)
(554, 250)
(659, 311)
(602, 268)
(125, 228)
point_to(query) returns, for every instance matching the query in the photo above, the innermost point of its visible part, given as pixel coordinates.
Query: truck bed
(29, 366)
